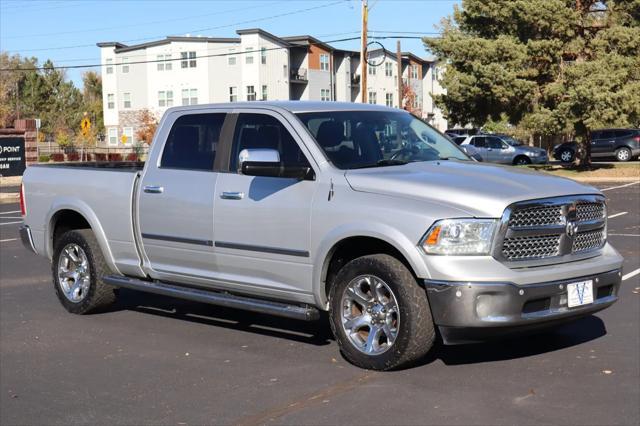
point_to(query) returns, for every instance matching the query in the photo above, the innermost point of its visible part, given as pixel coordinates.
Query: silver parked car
(504, 149)
(293, 208)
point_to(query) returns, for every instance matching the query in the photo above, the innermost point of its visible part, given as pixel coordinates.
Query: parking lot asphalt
(155, 360)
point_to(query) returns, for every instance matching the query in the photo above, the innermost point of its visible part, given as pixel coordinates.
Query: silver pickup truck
(294, 208)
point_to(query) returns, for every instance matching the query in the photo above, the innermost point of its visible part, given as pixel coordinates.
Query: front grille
(590, 240)
(536, 216)
(544, 229)
(531, 247)
(589, 211)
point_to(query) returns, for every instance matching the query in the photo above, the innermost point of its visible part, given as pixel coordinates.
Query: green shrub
(44, 158)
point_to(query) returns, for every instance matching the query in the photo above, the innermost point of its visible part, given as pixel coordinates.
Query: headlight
(534, 153)
(460, 237)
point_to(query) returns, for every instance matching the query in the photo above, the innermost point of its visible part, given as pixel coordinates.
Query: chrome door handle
(232, 195)
(153, 189)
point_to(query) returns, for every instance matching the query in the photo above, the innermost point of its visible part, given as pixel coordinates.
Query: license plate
(580, 293)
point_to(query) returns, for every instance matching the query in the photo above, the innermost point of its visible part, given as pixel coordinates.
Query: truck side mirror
(266, 162)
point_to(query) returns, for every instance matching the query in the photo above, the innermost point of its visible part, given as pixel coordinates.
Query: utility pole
(399, 59)
(363, 52)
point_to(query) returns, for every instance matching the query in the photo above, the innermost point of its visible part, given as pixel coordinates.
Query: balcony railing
(299, 74)
(355, 79)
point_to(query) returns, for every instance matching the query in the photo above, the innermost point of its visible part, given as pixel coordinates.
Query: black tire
(623, 154)
(521, 160)
(567, 155)
(416, 333)
(99, 294)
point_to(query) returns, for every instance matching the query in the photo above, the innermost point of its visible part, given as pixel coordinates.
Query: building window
(371, 70)
(164, 62)
(127, 135)
(113, 136)
(165, 98)
(126, 100)
(264, 92)
(233, 94)
(263, 56)
(248, 58)
(189, 96)
(111, 101)
(109, 69)
(413, 71)
(388, 69)
(389, 99)
(373, 98)
(324, 62)
(188, 59)
(325, 95)
(251, 93)
(125, 65)
(231, 59)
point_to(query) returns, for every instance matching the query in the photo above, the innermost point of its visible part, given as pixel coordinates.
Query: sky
(66, 31)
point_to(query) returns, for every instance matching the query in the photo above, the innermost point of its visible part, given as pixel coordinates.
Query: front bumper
(27, 239)
(469, 312)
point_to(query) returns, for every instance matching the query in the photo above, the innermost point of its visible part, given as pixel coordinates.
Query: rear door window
(479, 142)
(494, 143)
(193, 142)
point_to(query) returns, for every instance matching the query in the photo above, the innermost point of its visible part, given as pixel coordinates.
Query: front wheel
(379, 314)
(521, 160)
(566, 156)
(78, 267)
(623, 154)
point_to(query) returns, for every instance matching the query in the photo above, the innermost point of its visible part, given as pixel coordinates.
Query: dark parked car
(623, 144)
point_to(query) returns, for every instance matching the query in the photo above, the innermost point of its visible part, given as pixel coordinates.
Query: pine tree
(552, 66)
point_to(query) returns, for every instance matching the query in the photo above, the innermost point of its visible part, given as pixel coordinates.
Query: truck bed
(116, 166)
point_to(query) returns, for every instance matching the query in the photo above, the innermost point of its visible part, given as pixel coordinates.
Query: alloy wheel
(73, 273)
(370, 315)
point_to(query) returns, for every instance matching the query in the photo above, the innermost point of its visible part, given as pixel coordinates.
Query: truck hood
(479, 189)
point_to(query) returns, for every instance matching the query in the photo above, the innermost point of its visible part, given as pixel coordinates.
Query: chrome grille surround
(551, 230)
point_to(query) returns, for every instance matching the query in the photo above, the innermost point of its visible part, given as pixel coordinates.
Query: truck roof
(292, 106)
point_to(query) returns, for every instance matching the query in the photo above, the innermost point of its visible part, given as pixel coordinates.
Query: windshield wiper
(381, 163)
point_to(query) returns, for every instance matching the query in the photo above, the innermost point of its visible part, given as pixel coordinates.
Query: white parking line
(9, 223)
(625, 235)
(15, 211)
(620, 186)
(9, 239)
(631, 274)
(11, 217)
(617, 214)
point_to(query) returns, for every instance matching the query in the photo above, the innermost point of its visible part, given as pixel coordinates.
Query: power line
(151, 61)
(146, 23)
(307, 9)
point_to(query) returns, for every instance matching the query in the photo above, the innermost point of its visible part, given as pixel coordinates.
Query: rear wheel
(78, 267)
(566, 156)
(623, 154)
(379, 314)
(521, 160)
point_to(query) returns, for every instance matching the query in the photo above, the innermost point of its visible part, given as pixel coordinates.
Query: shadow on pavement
(315, 333)
(572, 334)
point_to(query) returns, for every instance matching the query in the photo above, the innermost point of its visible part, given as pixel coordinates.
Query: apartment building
(254, 66)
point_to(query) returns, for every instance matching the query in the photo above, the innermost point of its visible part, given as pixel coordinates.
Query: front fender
(386, 233)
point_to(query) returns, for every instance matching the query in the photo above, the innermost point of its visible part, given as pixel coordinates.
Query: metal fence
(95, 153)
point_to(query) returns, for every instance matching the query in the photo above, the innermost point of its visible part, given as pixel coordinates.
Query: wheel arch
(344, 247)
(66, 215)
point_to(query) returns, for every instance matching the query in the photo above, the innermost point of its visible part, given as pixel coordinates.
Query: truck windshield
(359, 139)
